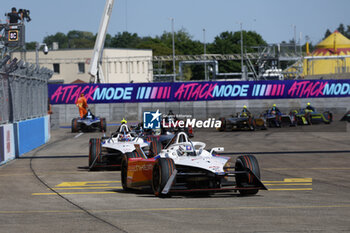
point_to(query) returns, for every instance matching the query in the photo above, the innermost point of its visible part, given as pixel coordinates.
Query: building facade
(119, 65)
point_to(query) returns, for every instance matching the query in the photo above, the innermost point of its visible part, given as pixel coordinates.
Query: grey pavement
(308, 192)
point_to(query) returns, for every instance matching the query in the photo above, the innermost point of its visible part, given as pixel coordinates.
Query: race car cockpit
(184, 146)
(89, 115)
(123, 133)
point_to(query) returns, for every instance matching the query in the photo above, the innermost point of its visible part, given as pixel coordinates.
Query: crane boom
(95, 65)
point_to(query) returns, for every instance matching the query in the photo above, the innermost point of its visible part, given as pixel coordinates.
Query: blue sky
(273, 19)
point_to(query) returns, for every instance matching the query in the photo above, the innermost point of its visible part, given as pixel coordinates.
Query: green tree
(225, 43)
(59, 37)
(125, 40)
(185, 45)
(108, 41)
(183, 42)
(341, 28)
(30, 46)
(158, 48)
(311, 47)
(230, 43)
(327, 33)
(80, 39)
(347, 33)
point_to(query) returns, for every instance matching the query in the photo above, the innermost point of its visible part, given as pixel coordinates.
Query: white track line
(78, 135)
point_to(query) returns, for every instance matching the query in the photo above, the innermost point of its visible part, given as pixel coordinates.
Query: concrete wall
(63, 114)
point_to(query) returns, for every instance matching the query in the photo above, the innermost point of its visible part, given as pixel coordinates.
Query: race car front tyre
(247, 180)
(124, 172)
(162, 171)
(75, 125)
(95, 148)
(103, 124)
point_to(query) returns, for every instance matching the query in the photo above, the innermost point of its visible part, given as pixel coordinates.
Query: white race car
(185, 166)
(109, 151)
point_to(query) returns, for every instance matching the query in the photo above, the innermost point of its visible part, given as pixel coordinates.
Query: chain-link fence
(23, 90)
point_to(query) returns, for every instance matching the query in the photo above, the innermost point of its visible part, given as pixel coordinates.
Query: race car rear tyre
(162, 171)
(246, 180)
(124, 169)
(328, 116)
(75, 125)
(223, 124)
(95, 147)
(308, 119)
(252, 124)
(134, 154)
(103, 124)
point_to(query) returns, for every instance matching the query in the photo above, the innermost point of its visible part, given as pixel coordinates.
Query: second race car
(309, 117)
(241, 121)
(89, 123)
(108, 151)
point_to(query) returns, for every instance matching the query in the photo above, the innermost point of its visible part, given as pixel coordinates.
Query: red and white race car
(185, 166)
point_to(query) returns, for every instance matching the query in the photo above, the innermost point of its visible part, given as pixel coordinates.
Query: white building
(119, 65)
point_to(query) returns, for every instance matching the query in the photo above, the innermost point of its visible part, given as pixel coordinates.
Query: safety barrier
(30, 134)
(22, 137)
(24, 124)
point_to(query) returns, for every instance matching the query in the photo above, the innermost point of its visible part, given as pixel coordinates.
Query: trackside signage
(198, 91)
(154, 120)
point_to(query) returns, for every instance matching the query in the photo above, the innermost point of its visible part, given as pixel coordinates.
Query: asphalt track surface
(307, 173)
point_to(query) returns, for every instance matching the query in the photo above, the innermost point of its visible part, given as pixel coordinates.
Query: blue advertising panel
(29, 134)
(198, 91)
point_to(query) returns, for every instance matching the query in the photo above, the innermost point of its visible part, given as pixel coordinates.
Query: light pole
(173, 38)
(242, 50)
(295, 37)
(126, 15)
(205, 57)
(37, 47)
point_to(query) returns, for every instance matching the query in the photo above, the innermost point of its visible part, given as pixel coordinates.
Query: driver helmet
(89, 115)
(123, 121)
(274, 105)
(308, 104)
(244, 106)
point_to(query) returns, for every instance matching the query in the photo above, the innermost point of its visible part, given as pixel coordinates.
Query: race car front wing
(170, 186)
